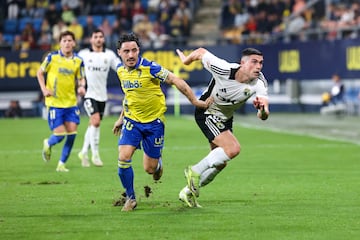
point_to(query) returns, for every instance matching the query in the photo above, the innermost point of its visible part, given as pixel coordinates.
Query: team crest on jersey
(247, 92)
(139, 72)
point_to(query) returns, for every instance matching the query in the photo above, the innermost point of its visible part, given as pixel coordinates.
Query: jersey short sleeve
(214, 64)
(158, 71)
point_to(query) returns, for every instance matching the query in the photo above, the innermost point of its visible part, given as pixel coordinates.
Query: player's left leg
(71, 121)
(153, 144)
(153, 166)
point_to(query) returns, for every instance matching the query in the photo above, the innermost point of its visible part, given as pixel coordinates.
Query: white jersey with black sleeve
(97, 67)
(228, 93)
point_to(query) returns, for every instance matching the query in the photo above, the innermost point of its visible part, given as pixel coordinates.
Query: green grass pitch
(281, 186)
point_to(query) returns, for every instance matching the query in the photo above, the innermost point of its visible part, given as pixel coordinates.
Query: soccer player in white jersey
(97, 60)
(231, 86)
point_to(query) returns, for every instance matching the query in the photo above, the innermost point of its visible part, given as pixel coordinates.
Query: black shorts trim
(92, 106)
(211, 125)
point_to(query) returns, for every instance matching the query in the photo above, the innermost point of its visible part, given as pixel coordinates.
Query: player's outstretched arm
(185, 89)
(193, 56)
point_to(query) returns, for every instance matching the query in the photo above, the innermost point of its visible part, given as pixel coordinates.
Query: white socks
(207, 167)
(86, 141)
(92, 138)
(208, 175)
(215, 158)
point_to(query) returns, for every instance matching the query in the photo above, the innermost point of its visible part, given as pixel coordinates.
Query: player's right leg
(192, 180)
(187, 197)
(128, 142)
(153, 144)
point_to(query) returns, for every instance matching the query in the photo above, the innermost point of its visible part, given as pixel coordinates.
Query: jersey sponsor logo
(159, 141)
(66, 71)
(128, 84)
(247, 94)
(97, 69)
(225, 99)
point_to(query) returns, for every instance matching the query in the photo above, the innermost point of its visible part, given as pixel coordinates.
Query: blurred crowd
(262, 21)
(36, 24)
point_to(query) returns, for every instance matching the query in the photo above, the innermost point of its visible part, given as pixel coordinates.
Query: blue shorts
(58, 116)
(151, 135)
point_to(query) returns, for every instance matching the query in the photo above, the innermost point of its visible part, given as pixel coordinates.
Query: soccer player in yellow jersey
(65, 79)
(142, 118)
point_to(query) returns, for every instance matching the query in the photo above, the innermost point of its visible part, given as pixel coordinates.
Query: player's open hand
(181, 56)
(117, 127)
(258, 104)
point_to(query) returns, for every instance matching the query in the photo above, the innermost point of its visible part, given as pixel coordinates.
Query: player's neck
(97, 49)
(68, 54)
(242, 77)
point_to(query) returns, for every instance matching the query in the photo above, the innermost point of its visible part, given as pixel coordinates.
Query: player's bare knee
(96, 124)
(149, 170)
(233, 151)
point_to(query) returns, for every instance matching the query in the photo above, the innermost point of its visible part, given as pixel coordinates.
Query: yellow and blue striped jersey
(62, 74)
(144, 100)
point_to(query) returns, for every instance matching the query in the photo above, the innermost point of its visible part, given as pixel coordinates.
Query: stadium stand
(186, 22)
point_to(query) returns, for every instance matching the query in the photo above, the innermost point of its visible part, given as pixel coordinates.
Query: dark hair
(251, 51)
(131, 37)
(97, 31)
(66, 33)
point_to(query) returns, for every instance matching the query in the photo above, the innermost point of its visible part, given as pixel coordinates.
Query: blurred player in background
(97, 60)
(142, 118)
(231, 86)
(65, 78)
(337, 92)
